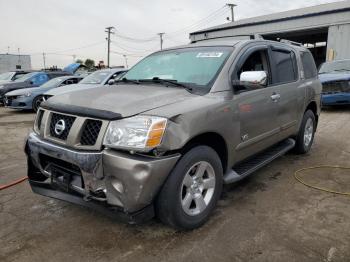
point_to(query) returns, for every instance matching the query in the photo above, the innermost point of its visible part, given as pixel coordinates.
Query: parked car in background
(335, 79)
(180, 124)
(31, 98)
(11, 76)
(30, 80)
(95, 79)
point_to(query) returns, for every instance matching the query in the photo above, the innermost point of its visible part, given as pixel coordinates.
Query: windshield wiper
(166, 81)
(125, 80)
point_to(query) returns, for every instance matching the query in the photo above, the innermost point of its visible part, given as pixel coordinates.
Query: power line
(212, 15)
(68, 50)
(134, 50)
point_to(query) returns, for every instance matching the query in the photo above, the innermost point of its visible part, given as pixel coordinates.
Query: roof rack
(285, 41)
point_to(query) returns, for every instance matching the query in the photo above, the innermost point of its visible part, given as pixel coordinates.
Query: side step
(249, 166)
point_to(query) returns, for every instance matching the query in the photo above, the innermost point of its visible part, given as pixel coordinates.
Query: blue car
(30, 80)
(31, 98)
(335, 79)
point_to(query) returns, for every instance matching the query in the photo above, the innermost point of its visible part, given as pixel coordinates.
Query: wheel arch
(313, 107)
(212, 140)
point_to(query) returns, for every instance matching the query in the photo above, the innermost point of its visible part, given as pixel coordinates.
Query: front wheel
(306, 134)
(36, 102)
(192, 190)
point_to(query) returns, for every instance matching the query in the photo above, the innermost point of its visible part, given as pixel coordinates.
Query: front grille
(9, 100)
(68, 120)
(40, 118)
(90, 133)
(336, 87)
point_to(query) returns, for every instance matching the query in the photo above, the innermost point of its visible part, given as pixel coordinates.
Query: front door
(257, 107)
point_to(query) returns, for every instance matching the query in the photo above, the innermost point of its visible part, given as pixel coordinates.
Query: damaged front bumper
(119, 184)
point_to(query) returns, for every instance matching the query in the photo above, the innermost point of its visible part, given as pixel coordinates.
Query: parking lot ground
(267, 217)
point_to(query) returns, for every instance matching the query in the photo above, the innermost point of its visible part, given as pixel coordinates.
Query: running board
(251, 165)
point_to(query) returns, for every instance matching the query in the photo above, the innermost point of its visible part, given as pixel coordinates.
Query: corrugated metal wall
(9, 62)
(338, 46)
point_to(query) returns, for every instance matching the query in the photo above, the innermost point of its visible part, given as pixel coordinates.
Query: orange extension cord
(13, 183)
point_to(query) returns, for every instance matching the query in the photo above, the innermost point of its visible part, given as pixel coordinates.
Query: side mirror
(253, 79)
(111, 82)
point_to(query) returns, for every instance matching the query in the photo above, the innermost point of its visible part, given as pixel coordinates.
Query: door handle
(275, 97)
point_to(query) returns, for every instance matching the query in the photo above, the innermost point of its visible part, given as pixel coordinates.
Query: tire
(189, 196)
(36, 103)
(306, 135)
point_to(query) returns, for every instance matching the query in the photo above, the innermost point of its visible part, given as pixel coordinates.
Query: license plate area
(65, 179)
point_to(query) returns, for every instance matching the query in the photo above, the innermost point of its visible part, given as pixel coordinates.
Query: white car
(96, 79)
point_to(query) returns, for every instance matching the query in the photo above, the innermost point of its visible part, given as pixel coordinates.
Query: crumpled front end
(116, 183)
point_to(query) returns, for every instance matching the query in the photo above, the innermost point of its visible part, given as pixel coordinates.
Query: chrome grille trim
(73, 138)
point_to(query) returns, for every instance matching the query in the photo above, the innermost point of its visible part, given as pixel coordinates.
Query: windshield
(197, 67)
(95, 78)
(26, 77)
(337, 66)
(6, 76)
(52, 83)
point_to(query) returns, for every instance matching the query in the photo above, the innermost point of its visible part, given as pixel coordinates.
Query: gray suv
(178, 126)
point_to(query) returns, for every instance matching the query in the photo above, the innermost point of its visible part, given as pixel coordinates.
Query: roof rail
(285, 41)
(251, 37)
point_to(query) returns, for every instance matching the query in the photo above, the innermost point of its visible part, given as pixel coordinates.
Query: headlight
(136, 133)
(25, 95)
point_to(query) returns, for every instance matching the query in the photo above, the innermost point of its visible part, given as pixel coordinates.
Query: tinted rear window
(310, 70)
(285, 66)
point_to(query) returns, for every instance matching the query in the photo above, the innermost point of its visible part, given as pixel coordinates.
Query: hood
(4, 88)
(23, 91)
(124, 100)
(72, 68)
(324, 78)
(69, 88)
(5, 81)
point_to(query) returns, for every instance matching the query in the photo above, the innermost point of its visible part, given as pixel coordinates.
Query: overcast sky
(75, 28)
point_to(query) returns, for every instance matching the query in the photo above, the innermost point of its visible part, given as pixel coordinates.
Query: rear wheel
(306, 134)
(36, 102)
(192, 190)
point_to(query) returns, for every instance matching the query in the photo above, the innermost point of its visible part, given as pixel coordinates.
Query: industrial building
(325, 29)
(10, 62)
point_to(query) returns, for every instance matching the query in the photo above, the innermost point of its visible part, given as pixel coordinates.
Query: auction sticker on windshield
(210, 54)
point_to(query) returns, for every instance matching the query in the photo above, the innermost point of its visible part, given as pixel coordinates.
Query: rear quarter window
(309, 66)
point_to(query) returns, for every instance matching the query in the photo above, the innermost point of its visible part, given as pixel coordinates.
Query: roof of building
(335, 7)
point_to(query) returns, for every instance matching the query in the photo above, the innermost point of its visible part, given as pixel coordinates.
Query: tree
(89, 63)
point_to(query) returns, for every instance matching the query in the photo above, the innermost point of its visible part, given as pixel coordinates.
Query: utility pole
(161, 40)
(126, 61)
(44, 59)
(109, 31)
(232, 13)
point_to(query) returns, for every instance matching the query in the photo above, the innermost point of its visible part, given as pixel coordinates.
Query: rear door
(285, 79)
(257, 108)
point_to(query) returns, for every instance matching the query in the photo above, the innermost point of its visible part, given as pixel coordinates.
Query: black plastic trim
(81, 111)
(138, 217)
